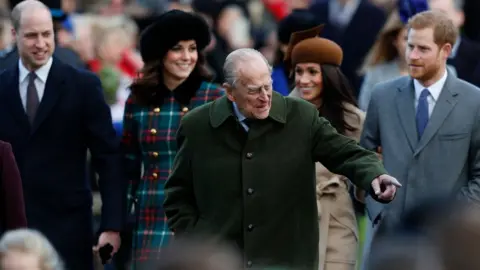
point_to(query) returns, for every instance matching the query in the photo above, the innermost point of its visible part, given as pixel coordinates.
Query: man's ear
(228, 90)
(447, 49)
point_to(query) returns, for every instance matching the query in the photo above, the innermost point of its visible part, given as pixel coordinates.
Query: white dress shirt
(341, 15)
(40, 81)
(434, 89)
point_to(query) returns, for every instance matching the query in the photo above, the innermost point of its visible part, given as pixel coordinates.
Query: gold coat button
(185, 109)
(157, 110)
(153, 131)
(155, 175)
(155, 154)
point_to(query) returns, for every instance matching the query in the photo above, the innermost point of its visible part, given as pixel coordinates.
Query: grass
(361, 233)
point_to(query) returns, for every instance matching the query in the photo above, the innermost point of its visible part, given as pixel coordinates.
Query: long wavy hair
(383, 50)
(336, 92)
(151, 76)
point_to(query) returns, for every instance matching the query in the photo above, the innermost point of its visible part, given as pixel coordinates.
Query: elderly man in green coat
(245, 169)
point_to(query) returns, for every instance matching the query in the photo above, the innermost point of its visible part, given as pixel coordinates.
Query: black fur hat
(170, 28)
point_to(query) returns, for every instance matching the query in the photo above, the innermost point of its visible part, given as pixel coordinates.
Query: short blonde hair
(444, 31)
(31, 242)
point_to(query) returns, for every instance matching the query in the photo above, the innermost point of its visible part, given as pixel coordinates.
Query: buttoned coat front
(149, 142)
(257, 190)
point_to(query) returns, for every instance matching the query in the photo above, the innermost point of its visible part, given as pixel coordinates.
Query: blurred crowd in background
(102, 36)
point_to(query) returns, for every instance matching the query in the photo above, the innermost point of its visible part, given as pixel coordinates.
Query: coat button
(185, 109)
(156, 110)
(250, 227)
(153, 131)
(250, 191)
(155, 154)
(249, 264)
(154, 175)
(249, 155)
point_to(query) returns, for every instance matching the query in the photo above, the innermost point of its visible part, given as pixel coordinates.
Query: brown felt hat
(306, 47)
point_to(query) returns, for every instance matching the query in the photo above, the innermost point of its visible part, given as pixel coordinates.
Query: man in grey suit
(427, 124)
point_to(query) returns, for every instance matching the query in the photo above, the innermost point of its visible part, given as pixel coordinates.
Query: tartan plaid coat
(149, 141)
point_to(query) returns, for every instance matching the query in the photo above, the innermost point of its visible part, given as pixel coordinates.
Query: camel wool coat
(338, 233)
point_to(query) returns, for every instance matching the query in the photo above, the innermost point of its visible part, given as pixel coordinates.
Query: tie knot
(424, 93)
(248, 122)
(32, 76)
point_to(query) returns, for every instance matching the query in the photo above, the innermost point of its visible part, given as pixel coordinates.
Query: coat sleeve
(180, 203)
(342, 155)
(12, 191)
(131, 154)
(104, 147)
(471, 192)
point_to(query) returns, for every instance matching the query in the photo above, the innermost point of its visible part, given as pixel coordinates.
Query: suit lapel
(444, 105)
(11, 92)
(406, 112)
(53, 90)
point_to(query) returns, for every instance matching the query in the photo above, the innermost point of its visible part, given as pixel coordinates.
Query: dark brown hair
(151, 76)
(444, 31)
(336, 92)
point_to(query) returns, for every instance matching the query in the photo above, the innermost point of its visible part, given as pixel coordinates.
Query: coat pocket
(452, 136)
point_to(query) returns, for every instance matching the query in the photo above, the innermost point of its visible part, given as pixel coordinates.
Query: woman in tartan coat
(173, 82)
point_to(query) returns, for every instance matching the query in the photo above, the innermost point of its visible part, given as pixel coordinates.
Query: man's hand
(385, 187)
(108, 237)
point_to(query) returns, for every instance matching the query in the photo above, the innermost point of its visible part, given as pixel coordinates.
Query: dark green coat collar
(221, 110)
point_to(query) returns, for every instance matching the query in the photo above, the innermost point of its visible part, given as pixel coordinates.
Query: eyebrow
(258, 86)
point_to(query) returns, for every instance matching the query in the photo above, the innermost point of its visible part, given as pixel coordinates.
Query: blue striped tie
(422, 112)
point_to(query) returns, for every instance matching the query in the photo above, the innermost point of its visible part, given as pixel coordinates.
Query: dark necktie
(248, 122)
(32, 97)
(422, 112)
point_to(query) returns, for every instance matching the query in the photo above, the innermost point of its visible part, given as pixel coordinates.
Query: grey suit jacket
(445, 161)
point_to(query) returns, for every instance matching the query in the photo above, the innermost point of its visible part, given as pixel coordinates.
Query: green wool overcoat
(257, 190)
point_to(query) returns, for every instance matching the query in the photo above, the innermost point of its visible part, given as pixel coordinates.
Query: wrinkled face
(308, 81)
(252, 91)
(15, 260)
(424, 57)
(35, 38)
(180, 60)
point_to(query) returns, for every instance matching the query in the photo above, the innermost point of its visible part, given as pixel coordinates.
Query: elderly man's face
(252, 91)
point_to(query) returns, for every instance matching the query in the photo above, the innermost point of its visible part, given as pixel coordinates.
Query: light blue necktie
(422, 112)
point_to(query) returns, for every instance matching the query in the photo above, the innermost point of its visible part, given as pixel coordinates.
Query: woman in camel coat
(315, 65)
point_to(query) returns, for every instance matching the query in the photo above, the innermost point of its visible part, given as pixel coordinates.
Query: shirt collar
(434, 89)
(345, 11)
(42, 72)
(222, 108)
(237, 112)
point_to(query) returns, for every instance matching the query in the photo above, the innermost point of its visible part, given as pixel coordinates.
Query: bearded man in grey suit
(427, 124)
